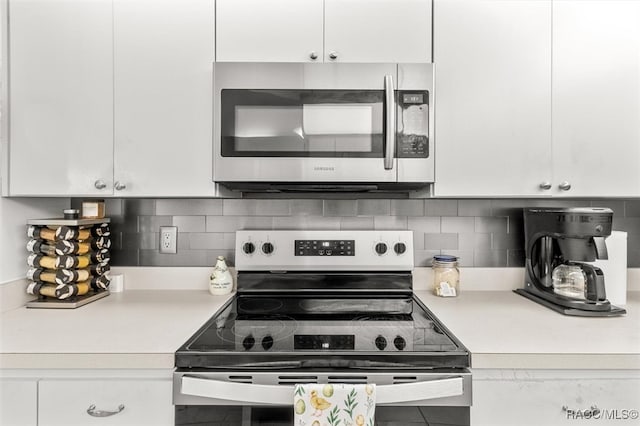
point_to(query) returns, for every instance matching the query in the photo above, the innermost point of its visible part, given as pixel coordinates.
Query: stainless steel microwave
(323, 127)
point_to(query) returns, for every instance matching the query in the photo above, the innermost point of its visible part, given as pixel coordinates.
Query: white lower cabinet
(19, 402)
(86, 397)
(555, 397)
(119, 402)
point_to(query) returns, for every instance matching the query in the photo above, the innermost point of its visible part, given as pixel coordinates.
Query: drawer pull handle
(101, 413)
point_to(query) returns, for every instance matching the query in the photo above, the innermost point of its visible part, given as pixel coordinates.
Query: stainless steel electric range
(322, 307)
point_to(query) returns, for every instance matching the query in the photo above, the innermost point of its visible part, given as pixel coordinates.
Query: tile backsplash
(482, 233)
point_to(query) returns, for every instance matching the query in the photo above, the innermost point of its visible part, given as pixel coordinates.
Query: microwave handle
(390, 122)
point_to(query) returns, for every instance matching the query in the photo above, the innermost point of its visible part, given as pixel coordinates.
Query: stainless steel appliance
(322, 307)
(323, 127)
(558, 242)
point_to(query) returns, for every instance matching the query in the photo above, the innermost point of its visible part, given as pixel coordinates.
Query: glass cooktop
(283, 331)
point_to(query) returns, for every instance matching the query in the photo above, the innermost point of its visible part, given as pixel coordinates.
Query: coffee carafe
(558, 243)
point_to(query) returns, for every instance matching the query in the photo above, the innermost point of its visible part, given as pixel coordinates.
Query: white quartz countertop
(502, 329)
(132, 329)
(143, 328)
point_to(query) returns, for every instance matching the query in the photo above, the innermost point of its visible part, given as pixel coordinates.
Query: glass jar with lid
(446, 275)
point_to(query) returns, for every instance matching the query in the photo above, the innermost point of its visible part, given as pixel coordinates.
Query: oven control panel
(325, 335)
(330, 250)
(325, 247)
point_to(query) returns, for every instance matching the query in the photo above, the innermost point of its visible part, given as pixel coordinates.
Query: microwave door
(306, 135)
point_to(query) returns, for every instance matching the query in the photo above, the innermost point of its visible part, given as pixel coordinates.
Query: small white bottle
(220, 281)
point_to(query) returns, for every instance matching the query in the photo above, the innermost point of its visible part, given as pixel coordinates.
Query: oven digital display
(325, 247)
(324, 342)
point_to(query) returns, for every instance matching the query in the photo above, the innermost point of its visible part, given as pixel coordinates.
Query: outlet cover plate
(169, 239)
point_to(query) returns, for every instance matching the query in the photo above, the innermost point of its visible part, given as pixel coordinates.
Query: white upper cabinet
(61, 97)
(111, 97)
(596, 97)
(492, 97)
(269, 30)
(163, 64)
(323, 31)
(377, 31)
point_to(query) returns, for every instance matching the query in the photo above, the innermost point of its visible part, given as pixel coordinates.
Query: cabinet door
(393, 31)
(18, 402)
(61, 97)
(66, 402)
(596, 97)
(530, 401)
(269, 30)
(492, 97)
(164, 53)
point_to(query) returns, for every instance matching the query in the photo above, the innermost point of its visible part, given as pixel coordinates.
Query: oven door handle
(390, 122)
(283, 395)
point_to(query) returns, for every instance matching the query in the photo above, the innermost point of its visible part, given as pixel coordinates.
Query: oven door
(248, 398)
(302, 123)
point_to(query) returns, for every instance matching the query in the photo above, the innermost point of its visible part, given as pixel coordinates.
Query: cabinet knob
(99, 184)
(119, 186)
(333, 55)
(313, 55)
(545, 185)
(565, 186)
(102, 413)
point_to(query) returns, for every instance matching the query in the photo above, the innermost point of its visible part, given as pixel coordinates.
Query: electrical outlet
(168, 239)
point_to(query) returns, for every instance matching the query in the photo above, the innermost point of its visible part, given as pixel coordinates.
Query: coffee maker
(558, 242)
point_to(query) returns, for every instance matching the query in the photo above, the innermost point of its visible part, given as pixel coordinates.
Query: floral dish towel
(334, 404)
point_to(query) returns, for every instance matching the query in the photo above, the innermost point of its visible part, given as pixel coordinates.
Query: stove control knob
(248, 248)
(400, 248)
(248, 342)
(399, 343)
(267, 248)
(267, 342)
(381, 343)
(381, 248)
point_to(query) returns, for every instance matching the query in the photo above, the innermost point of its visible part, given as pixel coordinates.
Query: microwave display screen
(302, 123)
(412, 98)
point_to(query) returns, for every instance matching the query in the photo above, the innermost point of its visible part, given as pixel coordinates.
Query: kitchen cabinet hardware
(102, 413)
(119, 186)
(313, 55)
(546, 185)
(565, 186)
(100, 184)
(333, 55)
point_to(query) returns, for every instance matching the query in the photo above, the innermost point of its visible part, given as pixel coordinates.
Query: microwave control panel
(412, 139)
